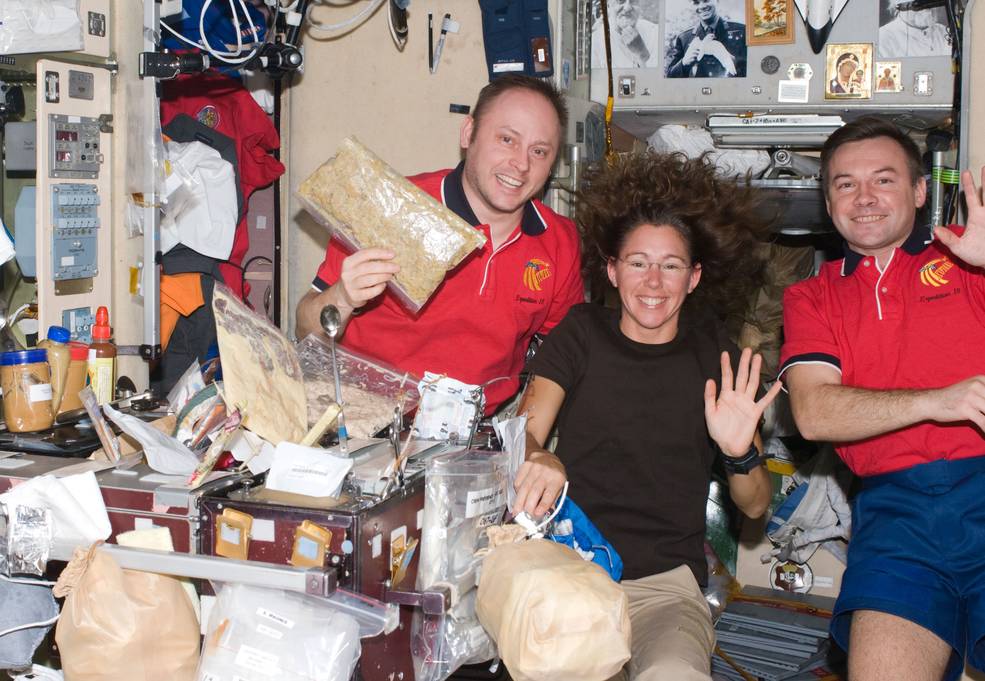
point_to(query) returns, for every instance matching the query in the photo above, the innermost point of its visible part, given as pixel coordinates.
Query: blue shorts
(918, 551)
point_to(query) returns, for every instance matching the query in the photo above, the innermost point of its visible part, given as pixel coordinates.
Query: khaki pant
(672, 632)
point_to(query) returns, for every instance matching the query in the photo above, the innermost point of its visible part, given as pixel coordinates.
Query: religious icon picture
(848, 72)
(770, 22)
(888, 76)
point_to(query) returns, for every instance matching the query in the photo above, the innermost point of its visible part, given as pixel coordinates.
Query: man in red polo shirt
(478, 324)
(885, 356)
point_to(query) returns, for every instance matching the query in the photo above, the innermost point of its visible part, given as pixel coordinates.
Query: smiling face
(707, 10)
(653, 275)
(871, 195)
(509, 154)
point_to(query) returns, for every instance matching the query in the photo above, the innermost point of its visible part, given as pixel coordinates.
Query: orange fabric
(181, 294)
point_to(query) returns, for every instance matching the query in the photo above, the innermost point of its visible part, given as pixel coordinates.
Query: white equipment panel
(73, 203)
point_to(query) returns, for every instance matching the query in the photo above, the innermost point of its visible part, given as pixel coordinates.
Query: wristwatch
(743, 464)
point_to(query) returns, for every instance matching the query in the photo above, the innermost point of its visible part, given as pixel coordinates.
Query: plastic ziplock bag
(552, 614)
(464, 492)
(367, 204)
(256, 634)
(371, 389)
(122, 624)
(440, 644)
(40, 26)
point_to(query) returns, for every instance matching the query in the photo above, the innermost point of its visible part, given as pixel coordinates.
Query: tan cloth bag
(553, 614)
(123, 625)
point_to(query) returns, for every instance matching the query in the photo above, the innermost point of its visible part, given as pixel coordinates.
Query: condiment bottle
(26, 381)
(102, 358)
(75, 381)
(59, 357)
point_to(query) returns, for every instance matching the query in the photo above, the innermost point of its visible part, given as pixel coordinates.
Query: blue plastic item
(23, 357)
(585, 537)
(219, 27)
(59, 334)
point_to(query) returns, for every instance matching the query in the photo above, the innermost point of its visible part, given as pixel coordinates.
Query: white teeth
(509, 181)
(650, 302)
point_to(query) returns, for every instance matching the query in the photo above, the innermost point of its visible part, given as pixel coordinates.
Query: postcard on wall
(848, 71)
(889, 76)
(770, 22)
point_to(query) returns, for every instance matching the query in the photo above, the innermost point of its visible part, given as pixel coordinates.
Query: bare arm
(826, 410)
(542, 475)
(751, 492)
(364, 275)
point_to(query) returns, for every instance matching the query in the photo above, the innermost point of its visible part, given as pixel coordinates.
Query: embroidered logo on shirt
(932, 274)
(209, 116)
(534, 273)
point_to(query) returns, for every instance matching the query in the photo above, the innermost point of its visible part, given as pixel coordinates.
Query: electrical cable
(220, 55)
(349, 23)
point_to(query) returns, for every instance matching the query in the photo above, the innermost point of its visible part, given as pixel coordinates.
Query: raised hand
(733, 417)
(970, 246)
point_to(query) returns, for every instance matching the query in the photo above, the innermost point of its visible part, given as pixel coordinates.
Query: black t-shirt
(632, 433)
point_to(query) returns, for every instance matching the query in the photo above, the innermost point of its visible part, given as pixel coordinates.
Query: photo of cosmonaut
(705, 39)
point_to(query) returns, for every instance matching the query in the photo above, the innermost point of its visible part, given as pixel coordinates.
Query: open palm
(733, 417)
(970, 246)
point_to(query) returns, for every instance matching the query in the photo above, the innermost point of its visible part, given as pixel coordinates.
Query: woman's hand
(733, 418)
(538, 483)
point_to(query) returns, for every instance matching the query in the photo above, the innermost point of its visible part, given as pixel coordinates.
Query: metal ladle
(331, 322)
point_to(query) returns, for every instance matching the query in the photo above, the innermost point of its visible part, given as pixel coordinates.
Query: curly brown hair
(718, 218)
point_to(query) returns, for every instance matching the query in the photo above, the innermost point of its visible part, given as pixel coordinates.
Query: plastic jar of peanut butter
(75, 380)
(26, 381)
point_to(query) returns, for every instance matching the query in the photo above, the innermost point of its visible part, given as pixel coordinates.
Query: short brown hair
(514, 81)
(866, 128)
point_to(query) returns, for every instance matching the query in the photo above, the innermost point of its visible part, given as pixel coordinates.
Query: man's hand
(970, 246)
(964, 401)
(695, 51)
(733, 418)
(717, 50)
(364, 275)
(538, 483)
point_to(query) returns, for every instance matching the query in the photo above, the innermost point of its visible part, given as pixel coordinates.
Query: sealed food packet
(367, 204)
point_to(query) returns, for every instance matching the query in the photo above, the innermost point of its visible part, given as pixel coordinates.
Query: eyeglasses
(670, 269)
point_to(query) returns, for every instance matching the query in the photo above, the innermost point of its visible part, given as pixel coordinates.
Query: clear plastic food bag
(464, 492)
(367, 204)
(371, 389)
(257, 634)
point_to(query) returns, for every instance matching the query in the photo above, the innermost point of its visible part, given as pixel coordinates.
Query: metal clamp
(434, 601)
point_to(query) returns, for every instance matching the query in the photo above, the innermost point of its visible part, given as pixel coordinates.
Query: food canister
(26, 381)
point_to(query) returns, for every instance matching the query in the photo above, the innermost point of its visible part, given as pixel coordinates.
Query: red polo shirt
(477, 325)
(919, 323)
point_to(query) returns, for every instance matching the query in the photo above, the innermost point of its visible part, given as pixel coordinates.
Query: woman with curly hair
(633, 392)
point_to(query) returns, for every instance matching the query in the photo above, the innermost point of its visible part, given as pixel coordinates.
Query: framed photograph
(634, 34)
(848, 71)
(888, 76)
(771, 22)
(906, 32)
(705, 38)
